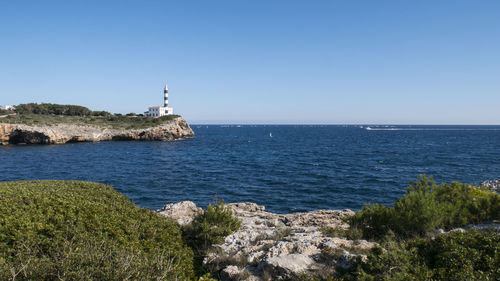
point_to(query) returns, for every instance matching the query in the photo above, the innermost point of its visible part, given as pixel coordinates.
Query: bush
(72, 230)
(350, 233)
(100, 119)
(458, 256)
(100, 113)
(208, 228)
(408, 253)
(50, 108)
(472, 255)
(427, 206)
(211, 226)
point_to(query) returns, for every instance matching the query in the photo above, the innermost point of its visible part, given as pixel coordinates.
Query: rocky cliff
(65, 133)
(297, 246)
(272, 246)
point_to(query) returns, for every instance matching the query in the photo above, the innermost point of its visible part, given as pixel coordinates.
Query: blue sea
(287, 168)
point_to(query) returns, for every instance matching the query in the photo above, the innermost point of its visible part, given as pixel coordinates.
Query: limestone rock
(284, 265)
(234, 273)
(346, 260)
(486, 226)
(67, 133)
(275, 246)
(494, 226)
(492, 184)
(183, 212)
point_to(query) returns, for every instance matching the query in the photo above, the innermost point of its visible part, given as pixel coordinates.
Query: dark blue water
(299, 168)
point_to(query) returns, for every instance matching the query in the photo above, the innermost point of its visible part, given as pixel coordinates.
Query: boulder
(183, 212)
(293, 263)
(234, 273)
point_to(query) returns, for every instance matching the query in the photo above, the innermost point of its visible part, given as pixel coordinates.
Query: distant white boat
(270, 135)
(368, 128)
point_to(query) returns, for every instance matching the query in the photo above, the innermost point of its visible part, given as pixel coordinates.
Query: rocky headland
(60, 133)
(281, 246)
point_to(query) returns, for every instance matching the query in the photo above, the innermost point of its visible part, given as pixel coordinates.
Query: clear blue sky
(416, 62)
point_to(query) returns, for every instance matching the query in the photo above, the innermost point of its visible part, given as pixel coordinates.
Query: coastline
(277, 245)
(242, 241)
(174, 129)
(288, 246)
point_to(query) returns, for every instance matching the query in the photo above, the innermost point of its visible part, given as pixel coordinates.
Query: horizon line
(341, 124)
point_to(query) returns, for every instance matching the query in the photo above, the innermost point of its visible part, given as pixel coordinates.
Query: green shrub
(390, 262)
(50, 108)
(427, 206)
(100, 113)
(408, 253)
(458, 256)
(350, 233)
(212, 226)
(70, 230)
(208, 228)
(472, 255)
(100, 119)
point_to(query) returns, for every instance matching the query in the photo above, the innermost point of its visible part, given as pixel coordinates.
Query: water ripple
(300, 168)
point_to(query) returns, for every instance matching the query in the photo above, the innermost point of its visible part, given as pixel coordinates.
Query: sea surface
(287, 168)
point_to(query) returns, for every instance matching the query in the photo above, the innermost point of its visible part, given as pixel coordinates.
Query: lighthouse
(165, 94)
(158, 111)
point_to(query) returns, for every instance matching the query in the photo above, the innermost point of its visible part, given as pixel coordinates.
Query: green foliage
(427, 206)
(212, 226)
(208, 228)
(100, 119)
(50, 114)
(458, 256)
(4, 112)
(409, 253)
(69, 230)
(50, 108)
(100, 113)
(472, 255)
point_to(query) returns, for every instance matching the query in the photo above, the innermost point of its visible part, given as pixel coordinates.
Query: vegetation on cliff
(208, 228)
(409, 248)
(56, 109)
(69, 230)
(427, 206)
(470, 255)
(111, 121)
(47, 114)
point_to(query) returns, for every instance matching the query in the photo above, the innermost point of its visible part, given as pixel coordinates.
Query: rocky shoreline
(279, 245)
(271, 246)
(174, 129)
(491, 184)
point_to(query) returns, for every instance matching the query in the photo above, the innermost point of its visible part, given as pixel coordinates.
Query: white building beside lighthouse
(157, 111)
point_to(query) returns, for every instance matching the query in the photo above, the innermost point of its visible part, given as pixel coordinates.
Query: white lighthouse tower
(158, 111)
